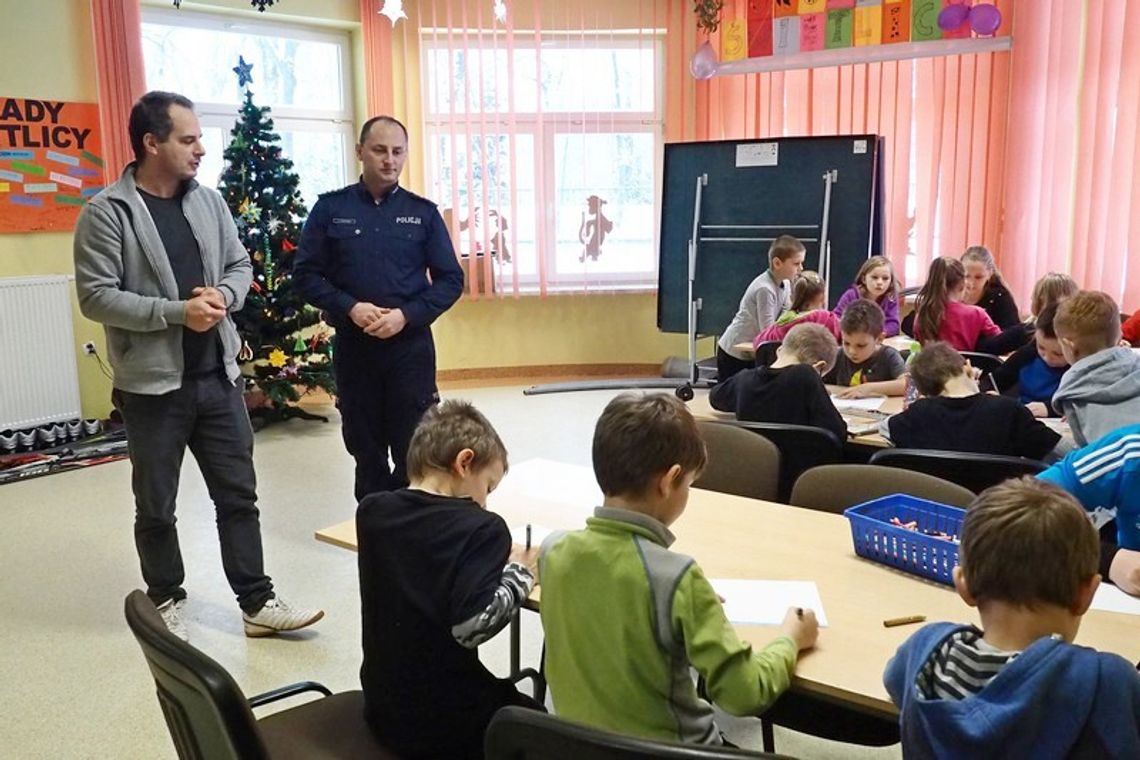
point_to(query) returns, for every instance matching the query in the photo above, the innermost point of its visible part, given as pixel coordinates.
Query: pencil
(528, 536)
(908, 620)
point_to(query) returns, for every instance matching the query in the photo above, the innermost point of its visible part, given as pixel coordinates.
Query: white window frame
(560, 123)
(285, 118)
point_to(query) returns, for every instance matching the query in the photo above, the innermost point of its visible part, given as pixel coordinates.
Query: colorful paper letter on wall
(812, 29)
(924, 24)
(896, 21)
(734, 43)
(786, 36)
(812, 6)
(839, 29)
(868, 25)
(836, 4)
(44, 140)
(759, 34)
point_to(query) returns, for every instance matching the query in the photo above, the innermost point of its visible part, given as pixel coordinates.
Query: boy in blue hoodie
(1018, 688)
(1101, 390)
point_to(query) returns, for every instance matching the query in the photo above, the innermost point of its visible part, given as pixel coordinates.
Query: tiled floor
(76, 685)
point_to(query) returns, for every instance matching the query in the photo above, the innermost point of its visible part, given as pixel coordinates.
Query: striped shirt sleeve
(514, 587)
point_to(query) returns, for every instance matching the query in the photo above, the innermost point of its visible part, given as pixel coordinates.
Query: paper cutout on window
(594, 228)
(492, 228)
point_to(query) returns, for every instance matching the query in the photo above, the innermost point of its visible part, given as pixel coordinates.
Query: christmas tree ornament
(394, 10)
(277, 358)
(242, 70)
(299, 346)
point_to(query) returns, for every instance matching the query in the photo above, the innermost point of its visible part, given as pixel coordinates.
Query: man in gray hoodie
(1100, 392)
(158, 262)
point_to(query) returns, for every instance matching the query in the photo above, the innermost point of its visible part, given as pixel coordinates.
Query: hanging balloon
(953, 16)
(703, 64)
(985, 19)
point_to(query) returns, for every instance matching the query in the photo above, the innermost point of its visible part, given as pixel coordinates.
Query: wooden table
(897, 342)
(733, 537)
(700, 408)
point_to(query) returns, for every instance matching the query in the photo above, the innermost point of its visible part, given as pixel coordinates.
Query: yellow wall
(569, 329)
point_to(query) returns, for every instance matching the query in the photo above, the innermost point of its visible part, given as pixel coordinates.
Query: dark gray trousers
(208, 415)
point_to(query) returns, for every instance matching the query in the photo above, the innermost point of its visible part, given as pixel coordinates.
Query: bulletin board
(50, 163)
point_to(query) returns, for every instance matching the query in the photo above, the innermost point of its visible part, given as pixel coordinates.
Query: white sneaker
(171, 612)
(278, 615)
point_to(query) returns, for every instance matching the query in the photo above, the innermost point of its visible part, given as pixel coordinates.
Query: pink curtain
(1072, 196)
(944, 120)
(377, 32)
(121, 76)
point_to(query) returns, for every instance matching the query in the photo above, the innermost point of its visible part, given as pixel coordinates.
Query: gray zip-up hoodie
(1100, 394)
(124, 280)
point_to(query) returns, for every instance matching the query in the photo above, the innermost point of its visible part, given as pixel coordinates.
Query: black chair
(516, 733)
(210, 719)
(987, 363)
(740, 462)
(835, 487)
(766, 353)
(801, 448)
(976, 472)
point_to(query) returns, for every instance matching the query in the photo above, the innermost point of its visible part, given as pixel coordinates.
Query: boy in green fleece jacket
(625, 618)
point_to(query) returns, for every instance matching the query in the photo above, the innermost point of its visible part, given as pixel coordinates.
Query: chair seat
(324, 729)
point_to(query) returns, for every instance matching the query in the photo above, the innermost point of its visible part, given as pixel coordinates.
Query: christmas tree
(284, 345)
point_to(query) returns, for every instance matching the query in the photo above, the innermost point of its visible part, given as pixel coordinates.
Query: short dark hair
(1027, 542)
(639, 437)
(935, 365)
(447, 429)
(387, 120)
(862, 316)
(151, 115)
(785, 247)
(1044, 321)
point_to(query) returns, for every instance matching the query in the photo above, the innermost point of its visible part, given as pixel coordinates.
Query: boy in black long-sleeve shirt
(438, 576)
(954, 415)
(790, 390)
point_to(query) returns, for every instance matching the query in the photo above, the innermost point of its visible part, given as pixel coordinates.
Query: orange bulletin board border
(51, 163)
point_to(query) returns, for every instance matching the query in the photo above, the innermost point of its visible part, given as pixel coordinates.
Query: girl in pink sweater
(808, 293)
(941, 315)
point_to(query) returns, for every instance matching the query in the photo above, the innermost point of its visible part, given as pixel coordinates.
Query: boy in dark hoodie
(1018, 688)
(1101, 390)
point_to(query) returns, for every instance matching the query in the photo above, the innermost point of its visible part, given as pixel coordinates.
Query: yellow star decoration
(277, 358)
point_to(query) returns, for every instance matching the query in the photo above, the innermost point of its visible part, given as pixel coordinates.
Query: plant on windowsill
(708, 14)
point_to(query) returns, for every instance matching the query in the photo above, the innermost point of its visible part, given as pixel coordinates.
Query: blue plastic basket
(910, 551)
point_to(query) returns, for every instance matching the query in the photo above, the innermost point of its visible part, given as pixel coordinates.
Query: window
(549, 160)
(302, 74)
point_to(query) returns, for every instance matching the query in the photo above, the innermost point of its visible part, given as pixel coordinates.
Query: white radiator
(39, 377)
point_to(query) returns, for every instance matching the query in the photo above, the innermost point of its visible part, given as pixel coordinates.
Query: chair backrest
(517, 733)
(766, 352)
(835, 487)
(985, 362)
(740, 462)
(801, 448)
(206, 713)
(976, 472)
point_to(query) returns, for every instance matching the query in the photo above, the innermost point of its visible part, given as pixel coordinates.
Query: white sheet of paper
(538, 534)
(872, 403)
(753, 602)
(1111, 599)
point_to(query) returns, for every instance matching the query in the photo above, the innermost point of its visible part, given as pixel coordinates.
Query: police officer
(364, 258)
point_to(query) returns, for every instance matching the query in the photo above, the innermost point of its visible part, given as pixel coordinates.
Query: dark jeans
(728, 365)
(208, 415)
(383, 388)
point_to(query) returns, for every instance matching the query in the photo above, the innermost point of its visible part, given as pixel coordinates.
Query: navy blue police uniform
(356, 248)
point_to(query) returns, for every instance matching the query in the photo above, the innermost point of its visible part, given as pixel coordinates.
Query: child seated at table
(1101, 390)
(808, 294)
(625, 619)
(865, 367)
(954, 415)
(1034, 371)
(790, 389)
(438, 576)
(1018, 687)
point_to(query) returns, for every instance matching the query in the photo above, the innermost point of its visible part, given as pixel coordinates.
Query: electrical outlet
(89, 348)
